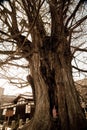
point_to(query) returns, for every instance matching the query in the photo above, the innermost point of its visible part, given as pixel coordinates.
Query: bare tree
(45, 33)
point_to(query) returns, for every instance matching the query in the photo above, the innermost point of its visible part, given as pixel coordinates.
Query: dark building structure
(22, 107)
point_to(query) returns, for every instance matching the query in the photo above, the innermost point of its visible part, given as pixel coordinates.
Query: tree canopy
(51, 36)
(18, 18)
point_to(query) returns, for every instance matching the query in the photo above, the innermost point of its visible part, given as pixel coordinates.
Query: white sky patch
(13, 76)
(13, 90)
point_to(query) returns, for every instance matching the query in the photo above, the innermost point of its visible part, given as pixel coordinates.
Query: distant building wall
(1, 94)
(1, 91)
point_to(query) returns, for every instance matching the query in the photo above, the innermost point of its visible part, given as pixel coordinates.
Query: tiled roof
(81, 86)
(6, 99)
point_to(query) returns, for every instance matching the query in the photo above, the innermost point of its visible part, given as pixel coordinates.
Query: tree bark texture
(54, 86)
(50, 66)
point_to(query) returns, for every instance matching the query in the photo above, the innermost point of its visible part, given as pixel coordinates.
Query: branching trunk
(41, 118)
(69, 109)
(50, 66)
(54, 86)
(49, 58)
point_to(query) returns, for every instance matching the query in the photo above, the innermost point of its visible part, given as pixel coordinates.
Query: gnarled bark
(54, 86)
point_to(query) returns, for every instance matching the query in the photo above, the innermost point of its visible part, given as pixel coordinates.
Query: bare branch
(7, 52)
(81, 70)
(74, 12)
(78, 49)
(78, 23)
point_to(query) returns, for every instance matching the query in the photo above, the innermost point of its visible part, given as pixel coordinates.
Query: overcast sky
(15, 74)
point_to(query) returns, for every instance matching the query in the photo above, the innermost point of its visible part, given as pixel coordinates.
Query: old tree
(45, 33)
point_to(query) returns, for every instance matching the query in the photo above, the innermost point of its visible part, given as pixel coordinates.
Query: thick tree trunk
(54, 86)
(69, 109)
(41, 119)
(70, 112)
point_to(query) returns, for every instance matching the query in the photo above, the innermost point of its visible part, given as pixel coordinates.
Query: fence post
(13, 124)
(20, 123)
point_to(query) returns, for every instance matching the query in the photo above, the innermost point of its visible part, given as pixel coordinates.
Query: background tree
(42, 32)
